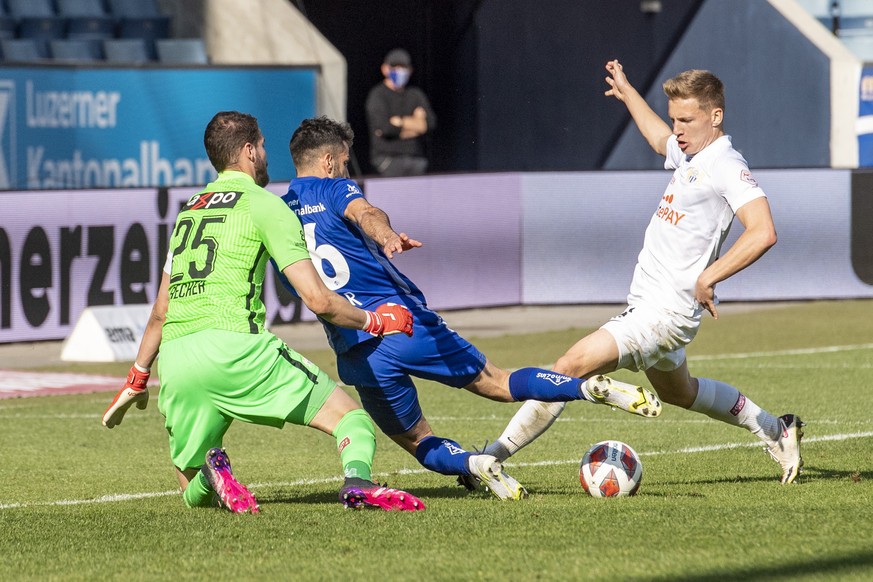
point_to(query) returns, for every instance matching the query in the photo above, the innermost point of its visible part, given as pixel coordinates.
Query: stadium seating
(90, 27)
(78, 8)
(8, 26)
(31, 8)
(76, 50)
(147, 27)
(181, 51)
(134, 8)
(140, 19)
(86, 19)
(36, 19)
(23, 49)
(37, 27)
(128, 50)
(119, 31)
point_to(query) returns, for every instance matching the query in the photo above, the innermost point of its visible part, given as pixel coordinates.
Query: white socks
(725, 403)
(531, 420)
(714, 399)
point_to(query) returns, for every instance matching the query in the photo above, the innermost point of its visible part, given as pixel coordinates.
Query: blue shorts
(381, 369)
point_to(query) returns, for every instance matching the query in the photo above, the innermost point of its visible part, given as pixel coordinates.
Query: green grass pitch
(79, 502)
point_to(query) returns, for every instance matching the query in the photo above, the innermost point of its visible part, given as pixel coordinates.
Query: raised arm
(653, 128)
(376, 225)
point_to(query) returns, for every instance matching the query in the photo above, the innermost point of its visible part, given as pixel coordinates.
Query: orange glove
(388, 319)
(134, 391)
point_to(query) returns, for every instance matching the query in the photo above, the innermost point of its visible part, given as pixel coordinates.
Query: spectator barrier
(490, 239)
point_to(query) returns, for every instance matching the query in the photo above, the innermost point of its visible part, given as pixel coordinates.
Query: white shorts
(651, 338)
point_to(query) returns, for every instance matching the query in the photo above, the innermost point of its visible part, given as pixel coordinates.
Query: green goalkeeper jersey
(222, 241)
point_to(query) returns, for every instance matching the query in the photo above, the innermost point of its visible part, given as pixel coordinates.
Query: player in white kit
(677, 271)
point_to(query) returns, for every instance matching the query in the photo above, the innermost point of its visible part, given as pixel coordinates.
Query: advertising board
(130, 128)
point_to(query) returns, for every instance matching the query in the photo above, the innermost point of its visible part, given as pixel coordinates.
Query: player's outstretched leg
(360, 493)
(487, 471)
(230, 493)
(786, 451)
(627, 397)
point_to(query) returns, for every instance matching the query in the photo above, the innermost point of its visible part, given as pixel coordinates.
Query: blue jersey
(348, 261)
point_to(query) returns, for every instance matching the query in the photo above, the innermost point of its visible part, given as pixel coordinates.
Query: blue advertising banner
(132, 128)
(865, 118)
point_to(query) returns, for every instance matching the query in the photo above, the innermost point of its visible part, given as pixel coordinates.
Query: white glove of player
(134, 391)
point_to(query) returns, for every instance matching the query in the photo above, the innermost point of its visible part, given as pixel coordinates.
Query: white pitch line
(711, 448)
(418, 471)
(810, 366)
(797, 352)
(103, 499)
(750, 355)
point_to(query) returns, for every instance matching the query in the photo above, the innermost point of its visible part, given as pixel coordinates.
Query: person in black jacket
(399, 117)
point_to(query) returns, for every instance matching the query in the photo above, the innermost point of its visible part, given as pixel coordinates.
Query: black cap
(398, 58)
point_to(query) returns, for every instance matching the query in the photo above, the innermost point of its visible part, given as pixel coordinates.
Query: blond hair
(697, 84)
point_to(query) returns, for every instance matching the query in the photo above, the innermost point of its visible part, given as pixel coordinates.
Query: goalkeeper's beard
(262, 178)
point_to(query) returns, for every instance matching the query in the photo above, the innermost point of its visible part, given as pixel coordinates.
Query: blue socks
(445, 456)
(442, 455)
(543, 385)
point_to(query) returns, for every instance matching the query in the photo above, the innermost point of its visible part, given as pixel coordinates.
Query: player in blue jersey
(351, 242)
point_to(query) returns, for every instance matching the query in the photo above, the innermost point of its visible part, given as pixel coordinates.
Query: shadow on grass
(719, 481)
(659, 490)
(848, 474)
(809, 569)
(425, 493)
(810, 473)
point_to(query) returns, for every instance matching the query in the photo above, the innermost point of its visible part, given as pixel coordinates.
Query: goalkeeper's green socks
(355, 440)
(356, 443)
(198, 493)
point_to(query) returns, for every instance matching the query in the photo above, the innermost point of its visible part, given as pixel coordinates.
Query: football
(611, 469)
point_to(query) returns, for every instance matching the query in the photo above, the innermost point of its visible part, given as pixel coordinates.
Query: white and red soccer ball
(610, 469)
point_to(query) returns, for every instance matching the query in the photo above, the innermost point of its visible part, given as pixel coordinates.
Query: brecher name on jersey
(187, 288)
(207, 200)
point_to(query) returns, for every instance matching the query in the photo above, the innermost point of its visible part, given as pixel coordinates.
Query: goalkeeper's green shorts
(211, 377)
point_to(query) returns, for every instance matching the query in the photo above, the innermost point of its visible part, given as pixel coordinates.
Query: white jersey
(693, 218)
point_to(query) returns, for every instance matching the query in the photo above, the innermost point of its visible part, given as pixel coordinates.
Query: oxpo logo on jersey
(208, 200)
(7, 134)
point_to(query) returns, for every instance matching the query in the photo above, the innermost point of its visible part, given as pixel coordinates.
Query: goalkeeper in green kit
(218, 363)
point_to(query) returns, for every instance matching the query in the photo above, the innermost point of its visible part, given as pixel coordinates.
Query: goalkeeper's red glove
(134, 391)
(388, 319)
